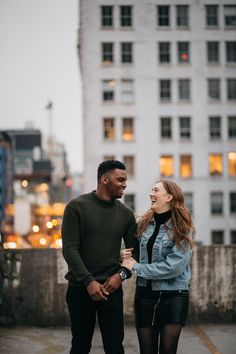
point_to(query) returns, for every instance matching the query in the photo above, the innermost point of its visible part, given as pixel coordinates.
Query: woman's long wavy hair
(180, 215)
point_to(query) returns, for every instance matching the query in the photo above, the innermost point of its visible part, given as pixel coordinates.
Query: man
(94, 225)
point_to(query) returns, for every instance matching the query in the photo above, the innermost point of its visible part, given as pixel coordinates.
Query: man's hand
(97, 291)
(113, 283)
(129, 263)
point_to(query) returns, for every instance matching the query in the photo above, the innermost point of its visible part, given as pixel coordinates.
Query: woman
(163, 272)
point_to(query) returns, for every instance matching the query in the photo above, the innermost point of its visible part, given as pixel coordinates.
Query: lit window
(232, 201)
(106, 16)
(166, 166)
(217, 237)
(184, 89)
(107, 53)
(213, 52)
(127, 91)
(182, 15)
(185, 127)
(129, 163)
(232, 127)
(165, 90)
(125, 16)
(164, 52)
(129, 200)
(163, 16)
(216, 164)
(185, 166)
(230, 15)
(211, 15)
(188, 200)
(214, 89)
(183, 52)
(127, 129)
(232, 164)
(216, 203)
(233, 237)
(126, 52)
(108, 90)
(109, 128)
(109, 157)
(166, 127)
(215, 127)
(231, 89)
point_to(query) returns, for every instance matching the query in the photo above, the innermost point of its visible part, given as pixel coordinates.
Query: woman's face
(160, 199)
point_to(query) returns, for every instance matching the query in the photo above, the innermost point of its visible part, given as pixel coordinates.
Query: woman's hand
(126, 253)
(129, 263)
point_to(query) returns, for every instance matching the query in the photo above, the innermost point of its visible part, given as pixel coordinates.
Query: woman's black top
(159, 219)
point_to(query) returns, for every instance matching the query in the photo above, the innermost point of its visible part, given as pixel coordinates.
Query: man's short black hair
(109, 165)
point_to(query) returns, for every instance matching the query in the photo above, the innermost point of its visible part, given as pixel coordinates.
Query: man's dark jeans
(83, 312)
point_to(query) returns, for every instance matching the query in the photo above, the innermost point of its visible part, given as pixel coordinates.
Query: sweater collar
(102, 201)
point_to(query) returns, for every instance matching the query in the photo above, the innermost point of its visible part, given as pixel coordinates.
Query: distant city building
(159, 93)
(6, 182)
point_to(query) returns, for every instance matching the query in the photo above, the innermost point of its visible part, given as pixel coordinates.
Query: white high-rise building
(159, 93)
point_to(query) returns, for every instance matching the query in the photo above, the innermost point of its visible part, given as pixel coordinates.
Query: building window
(215, 127)
(126, 16)
(183, 52)
(216, 203)
(129, 200)
(232, 163)
(166, 131)
(107, 53)
(163, 16)
(127, 91)
(216, 165)
(182, 15)
(109, 129)
(214, 89)
(186, 166)
(164, 52)
(166, 166)
(213, 52)
(231, 89)
(184, 89)
(188, 201)
(109, 157)
(106, 16)
(233, 237)
(217, 237)
(185, 127)
(127, 129)
(126, 52)
(230, 15)
(129, 163)
(230, 52)
(165, 90)
(108, 90)
(232, 127)
(232, 201)
(211, 15)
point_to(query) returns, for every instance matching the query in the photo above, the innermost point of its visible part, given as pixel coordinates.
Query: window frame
(126, 17)
(183, 16)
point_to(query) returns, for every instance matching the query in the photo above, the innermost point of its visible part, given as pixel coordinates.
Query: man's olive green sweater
(92, 232)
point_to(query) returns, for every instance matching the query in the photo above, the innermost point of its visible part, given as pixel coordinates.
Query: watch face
(123, 275)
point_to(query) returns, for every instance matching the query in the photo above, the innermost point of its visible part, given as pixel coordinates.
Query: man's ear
(104, 179)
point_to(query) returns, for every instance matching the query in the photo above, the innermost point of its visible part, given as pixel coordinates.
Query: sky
(38, 64)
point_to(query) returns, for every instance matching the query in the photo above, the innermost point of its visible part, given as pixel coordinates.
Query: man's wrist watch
(123, 274)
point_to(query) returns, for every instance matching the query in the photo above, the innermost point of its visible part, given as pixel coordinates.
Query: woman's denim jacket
(170, 267)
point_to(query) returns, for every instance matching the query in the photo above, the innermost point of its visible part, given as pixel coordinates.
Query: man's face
(116, 183)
